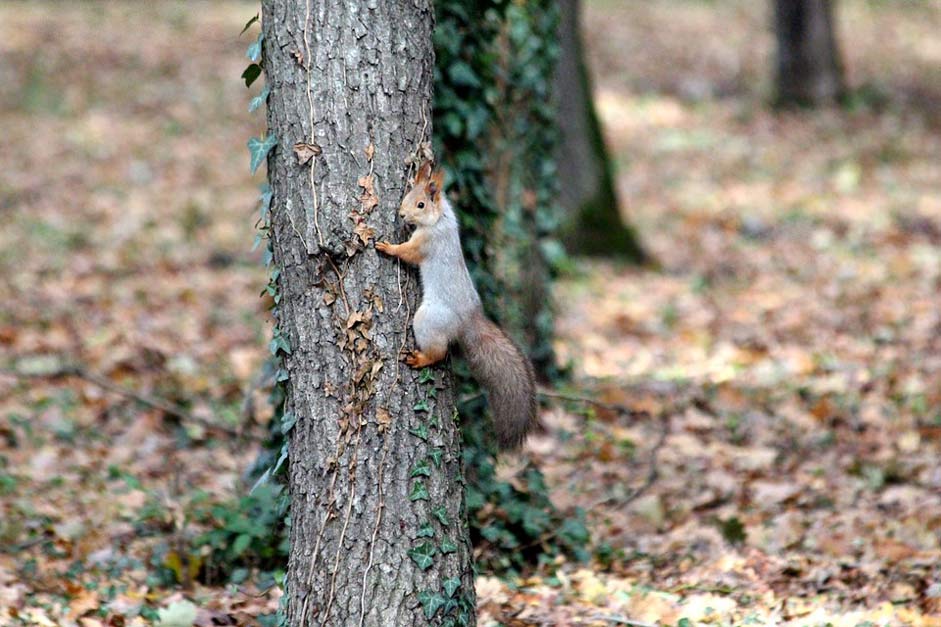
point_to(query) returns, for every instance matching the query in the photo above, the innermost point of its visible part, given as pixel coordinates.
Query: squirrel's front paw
(412, 358)
(384, 247)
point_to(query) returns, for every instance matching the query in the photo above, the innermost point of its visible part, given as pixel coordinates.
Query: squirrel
(450, 310)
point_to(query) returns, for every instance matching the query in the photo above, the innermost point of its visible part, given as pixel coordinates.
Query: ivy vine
(495, 133)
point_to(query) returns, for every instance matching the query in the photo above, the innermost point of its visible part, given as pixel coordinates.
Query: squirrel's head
(422, 204)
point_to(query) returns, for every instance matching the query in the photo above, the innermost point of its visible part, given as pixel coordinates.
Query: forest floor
(781, 362)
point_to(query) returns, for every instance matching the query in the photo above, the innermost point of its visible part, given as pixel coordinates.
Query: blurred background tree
(593, 223)
(808, 65)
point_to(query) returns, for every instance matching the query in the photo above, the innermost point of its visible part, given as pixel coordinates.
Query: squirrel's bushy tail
(504, 372)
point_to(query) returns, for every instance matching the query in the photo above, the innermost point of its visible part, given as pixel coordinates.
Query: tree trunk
(588, 195)
(809, 71)
(378, 529)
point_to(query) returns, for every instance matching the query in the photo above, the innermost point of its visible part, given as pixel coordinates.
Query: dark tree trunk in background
(809, 71)
(378, 532)
(588, 196)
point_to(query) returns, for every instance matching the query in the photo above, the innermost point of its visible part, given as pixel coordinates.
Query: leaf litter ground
(782, 362)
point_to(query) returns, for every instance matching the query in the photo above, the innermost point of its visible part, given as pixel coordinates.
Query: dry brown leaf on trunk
(369, 199)
(305, 152)
(384, 418)
(364, 232)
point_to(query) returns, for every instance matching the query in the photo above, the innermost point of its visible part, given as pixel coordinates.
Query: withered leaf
(355, 318)
(370, 151)
(360, 373)
(384, 418)
(364, 232)
(369, 199)
(305, 152)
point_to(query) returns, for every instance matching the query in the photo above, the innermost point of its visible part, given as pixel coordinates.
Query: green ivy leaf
(426, 376)
(419, 492)
(574, 530)
(423, 555)
(251, 74)
(732, 530)
(254, 49)
(535, 521)
(431, 602)
(435, 456)
(451, 585)
(426, 531)
(422, 468)
(462, 74)
(441, 513)
(420, 432)
(258, 149)
(283, 458)
(447, 546)
(241, 543)
(279, 343)
(258, 100)
(422, 405)
(248, 24)
(287, 422)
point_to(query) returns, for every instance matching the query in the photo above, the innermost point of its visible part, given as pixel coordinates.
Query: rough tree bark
(587, 193)
(378, 533)
(809, 71)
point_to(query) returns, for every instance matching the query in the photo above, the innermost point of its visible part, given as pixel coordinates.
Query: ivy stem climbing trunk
(378, 529)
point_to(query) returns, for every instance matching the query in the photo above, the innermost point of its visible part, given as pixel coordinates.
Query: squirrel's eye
(421, 205)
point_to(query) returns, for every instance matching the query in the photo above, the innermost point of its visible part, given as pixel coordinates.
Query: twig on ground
(652, 472)
(75, 370)
(575, 398)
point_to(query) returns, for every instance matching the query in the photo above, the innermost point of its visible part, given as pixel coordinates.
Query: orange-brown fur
(409, 252)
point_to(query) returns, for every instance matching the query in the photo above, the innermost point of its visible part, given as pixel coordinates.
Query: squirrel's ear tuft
(424, 171)
(437, 179)
(432, 190)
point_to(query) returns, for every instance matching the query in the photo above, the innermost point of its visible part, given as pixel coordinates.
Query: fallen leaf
(177, 614)
(85, 602)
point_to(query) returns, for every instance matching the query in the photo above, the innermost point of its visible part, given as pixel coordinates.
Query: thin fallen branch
(76, 370)
(652, 472)
(575, 398)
